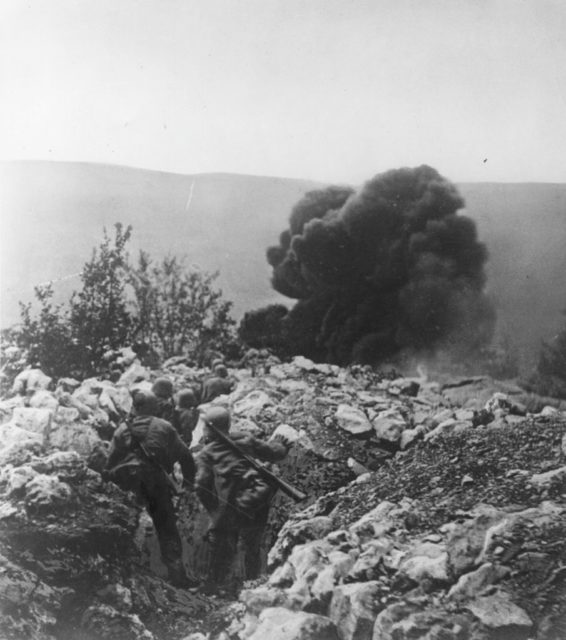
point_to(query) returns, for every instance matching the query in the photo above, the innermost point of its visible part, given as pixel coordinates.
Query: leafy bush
(178, 309)
(549, 377)
(174, 309)
(46, 339)
(99, 316)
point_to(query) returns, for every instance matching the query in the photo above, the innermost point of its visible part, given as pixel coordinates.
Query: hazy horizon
(325, 90)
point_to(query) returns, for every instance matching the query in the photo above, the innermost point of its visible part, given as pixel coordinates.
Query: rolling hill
(53, 215)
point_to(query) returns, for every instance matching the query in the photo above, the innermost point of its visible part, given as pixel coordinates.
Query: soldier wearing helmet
(141, 457)
(236, 497)
(186, 414)
(163, 389)
(219, 384)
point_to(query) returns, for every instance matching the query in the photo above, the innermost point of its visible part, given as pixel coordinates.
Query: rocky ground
(436, 510)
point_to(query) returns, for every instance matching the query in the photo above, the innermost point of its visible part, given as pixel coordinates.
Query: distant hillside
(53, 214)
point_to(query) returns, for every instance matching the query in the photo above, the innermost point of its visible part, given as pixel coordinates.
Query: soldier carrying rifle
(236, 491)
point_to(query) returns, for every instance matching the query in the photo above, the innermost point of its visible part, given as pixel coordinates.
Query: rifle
(271, 478)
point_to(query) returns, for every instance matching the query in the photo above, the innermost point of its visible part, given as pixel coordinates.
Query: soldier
(163, 389)
(141, 457)
(251, 361)
(186, 415)
(236, 497)
(219, 384)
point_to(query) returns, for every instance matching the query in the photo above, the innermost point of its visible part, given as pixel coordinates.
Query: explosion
(392, 268)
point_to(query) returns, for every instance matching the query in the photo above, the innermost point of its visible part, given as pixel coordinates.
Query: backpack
(128, 473)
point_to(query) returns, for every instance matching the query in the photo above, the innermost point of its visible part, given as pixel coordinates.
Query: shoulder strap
(150, 458)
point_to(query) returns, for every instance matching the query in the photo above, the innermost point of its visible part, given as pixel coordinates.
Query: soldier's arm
(118, 447)
(271, 451)
(184, 457)
(204, 483)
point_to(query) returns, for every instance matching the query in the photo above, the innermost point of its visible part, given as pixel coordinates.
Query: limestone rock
(354, 608)
(428, 561)
(352, 420)
(389, 425)
(409, 436)
(78, 437)
(117, 596)
(47, 493)
(134, 373)
(298, 532)
(247, 426)
(17, 478)
(472, 584)
(7, 407)
(467, 541)
(66, 465)
(369, 563)
(11, 434)
(42, 399)
(30, 380)
(34, 420)
(547, 478)
(252, 404)
(16, 587)
(498, 610)
(405, 621)
(277, 623)
(68, 385)
(105, 623)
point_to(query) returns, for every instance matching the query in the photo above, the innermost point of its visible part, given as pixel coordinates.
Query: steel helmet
(145, 403)
(163, 388)
(186, 399)
(218, 417)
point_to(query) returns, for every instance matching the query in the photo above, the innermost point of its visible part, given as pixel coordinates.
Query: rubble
(435, 510)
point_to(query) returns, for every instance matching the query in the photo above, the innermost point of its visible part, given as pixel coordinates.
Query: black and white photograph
(283, 320)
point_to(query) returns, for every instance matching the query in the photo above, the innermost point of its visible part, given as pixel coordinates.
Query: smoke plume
(389, 268)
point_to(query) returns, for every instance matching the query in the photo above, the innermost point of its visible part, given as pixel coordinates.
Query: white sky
(335, 90)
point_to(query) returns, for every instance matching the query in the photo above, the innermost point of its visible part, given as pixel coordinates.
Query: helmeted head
(218, 417)
(163, 388)
(221, 371)
(145, 403)
(215, 362)
(186, 399)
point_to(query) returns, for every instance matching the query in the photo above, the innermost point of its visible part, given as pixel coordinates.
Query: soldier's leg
(251, 539)
(222, 552)
(160, 508)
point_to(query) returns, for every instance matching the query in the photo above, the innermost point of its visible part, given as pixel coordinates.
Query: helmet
(145, 403)
(186, 399)
(218, 417)
(221, 371)
(163, 388)
(216, 361)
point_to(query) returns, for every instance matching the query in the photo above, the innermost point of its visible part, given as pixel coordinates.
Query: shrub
(99, 316)
(178, 309)
(46, 339)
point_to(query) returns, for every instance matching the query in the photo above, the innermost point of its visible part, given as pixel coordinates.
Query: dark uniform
(218, 385)
(144, 451)
(186, 415)
(236, 497)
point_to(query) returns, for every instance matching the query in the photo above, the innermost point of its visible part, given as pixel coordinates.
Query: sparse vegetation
(176, 310)
(549, 378)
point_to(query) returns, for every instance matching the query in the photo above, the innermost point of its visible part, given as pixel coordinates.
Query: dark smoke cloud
(389, 268)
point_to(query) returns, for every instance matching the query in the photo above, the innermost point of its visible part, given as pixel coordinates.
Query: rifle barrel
(287, 488)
